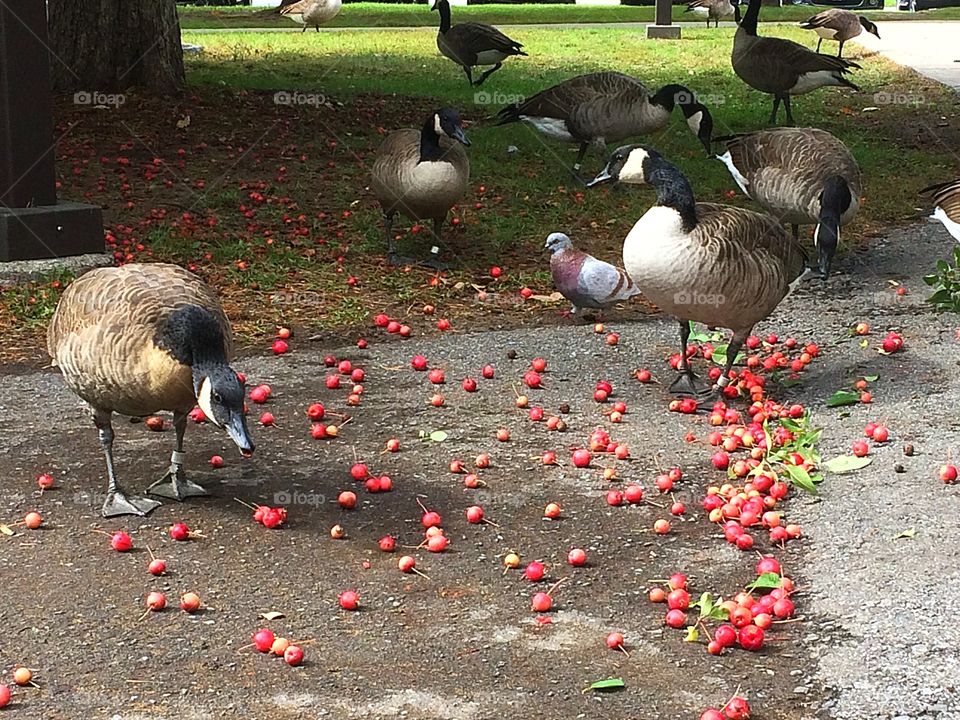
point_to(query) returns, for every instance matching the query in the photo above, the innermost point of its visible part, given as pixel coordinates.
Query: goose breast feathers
(419, 189)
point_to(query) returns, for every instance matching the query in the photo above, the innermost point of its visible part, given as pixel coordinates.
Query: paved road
(930, 48)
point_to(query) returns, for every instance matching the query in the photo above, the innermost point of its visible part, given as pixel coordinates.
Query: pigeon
(946, 198)
(583, 280)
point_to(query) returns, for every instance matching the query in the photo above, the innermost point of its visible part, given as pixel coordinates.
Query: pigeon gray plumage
(583, 280)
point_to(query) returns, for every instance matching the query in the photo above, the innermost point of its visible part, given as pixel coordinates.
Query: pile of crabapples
(746, 616)
(270, 517)
(765, 355)
(265, 641)
(749, 498)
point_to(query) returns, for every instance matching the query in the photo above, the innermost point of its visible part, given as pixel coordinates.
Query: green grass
(345, 64)
(390, 15)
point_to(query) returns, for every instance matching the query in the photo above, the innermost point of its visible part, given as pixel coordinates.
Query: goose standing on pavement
(801, 176)
(840, 25)
(311, 13)
(946, 198)
(583, 280)
(603, 107)
(715, 10)
(141, 338)
(715, 264)
(421, 174)
(473, 44)
(782, 67)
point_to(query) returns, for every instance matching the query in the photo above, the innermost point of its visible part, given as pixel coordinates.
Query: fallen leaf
(846, 463)
(908, 533)
(843, 397)
(272, 615)
(6, 531)
(183, 122)
(606, 685)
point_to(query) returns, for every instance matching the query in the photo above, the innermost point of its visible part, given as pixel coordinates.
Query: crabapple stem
(246, 504)
(556, 585)
(423, 575)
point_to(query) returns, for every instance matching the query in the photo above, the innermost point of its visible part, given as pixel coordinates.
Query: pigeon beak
(603, 177)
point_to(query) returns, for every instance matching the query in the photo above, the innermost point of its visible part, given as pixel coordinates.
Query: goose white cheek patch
(437, 127)
(632, 170)
(203, 400)
(694, 121)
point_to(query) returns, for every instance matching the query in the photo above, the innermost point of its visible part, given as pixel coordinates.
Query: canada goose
(472, 44)
(782, 67)
(714, 9)
(583, 280)
(839, 25)
(946, 198)
(421, 173)
(603, 107)
(715, 264)
(311, 13)
(141, 338)
(801, 176)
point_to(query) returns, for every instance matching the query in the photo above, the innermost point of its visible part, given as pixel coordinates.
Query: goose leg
(488, 73)
(466, 69)
(796, 232)
(786, 104)
(819, 42)
(174, 484)
(392, 257)
(579, 161)
(776, 108)
(733, 349)
(433, 261)
(840, 51)
(117, 503)
(304, 28)
(686, 383)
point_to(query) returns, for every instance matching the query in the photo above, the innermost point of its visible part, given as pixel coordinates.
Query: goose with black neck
(719, 265)
(473, 44)
(783, 68)
(138, 339)
(421, 174)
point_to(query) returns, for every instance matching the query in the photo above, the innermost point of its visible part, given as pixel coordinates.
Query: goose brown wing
(947, 197)
(560, 100)
(480, 37)
(827, 18)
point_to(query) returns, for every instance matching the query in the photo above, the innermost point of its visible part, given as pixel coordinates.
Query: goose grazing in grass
(603, 107)
(715, 10)
(142, 338)
(421, 173)
(803, 176)
(473, 44)
(782, 67)
(311, 13)
(946, 198)
(583, 280)
(840, 25)
(714, 264)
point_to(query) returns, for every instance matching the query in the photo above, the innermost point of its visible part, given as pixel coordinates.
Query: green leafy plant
(946, 284)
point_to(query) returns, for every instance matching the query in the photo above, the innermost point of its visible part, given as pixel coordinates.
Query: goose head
(437, 3)
(700, 122)
(556, 242)
(633, 164)
(869, 26)
(220, 395)
(446, 121)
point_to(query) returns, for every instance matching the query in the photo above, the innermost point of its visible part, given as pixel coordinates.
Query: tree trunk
(111, 45)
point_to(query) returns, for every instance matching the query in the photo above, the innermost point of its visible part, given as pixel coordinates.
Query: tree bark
(111, 45)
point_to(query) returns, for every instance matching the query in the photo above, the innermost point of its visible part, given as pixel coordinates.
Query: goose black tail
(509, 114)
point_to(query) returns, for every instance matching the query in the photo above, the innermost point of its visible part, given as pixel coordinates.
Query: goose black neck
(430, 141)
(193, 337)
(669, 95)
(750, 18)
(673, 191)
(443, 7)
(835, 199)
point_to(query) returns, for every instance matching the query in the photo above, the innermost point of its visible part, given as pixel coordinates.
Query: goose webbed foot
(174, 485)
(689, 384)
(435, 263)
(399, 260)
(814, 273)
(117, 503)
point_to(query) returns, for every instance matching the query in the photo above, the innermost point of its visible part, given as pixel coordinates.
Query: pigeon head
(556, 242)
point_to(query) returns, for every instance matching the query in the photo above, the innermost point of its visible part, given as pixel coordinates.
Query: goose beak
(460, 136)
(602, 178)
(237, 430)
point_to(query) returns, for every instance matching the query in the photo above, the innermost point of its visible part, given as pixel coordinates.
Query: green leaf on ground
(767, 581)
(871, 378)
(605, 685)
(908, 533)
(801, 478)
(692, 634)
(846, 463)
(438, 436)
(843, 397)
